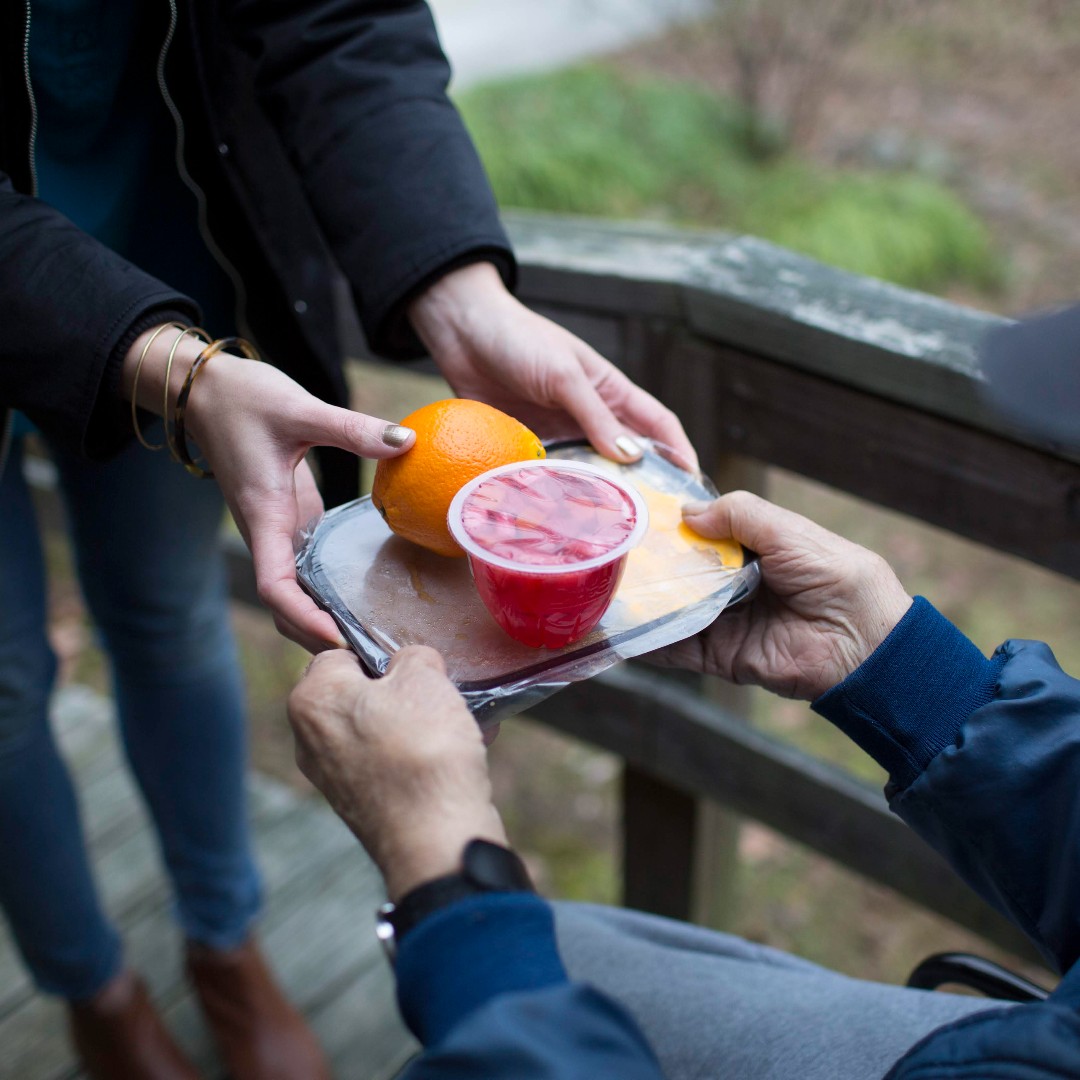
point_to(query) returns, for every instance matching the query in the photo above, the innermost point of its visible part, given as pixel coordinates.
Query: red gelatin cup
(547, 543)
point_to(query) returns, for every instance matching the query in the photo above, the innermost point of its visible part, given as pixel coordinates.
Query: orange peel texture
(456, 440)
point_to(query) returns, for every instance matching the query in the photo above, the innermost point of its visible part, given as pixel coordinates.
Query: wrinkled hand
(825, 603)
(490, 347)
(400, 759)
(254, 425)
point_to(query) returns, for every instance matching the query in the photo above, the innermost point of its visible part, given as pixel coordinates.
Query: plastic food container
(547, 543)
(386, 593)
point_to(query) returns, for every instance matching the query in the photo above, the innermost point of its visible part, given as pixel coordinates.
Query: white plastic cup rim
(475, 551)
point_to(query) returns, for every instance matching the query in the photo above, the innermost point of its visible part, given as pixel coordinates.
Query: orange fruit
(456, 440)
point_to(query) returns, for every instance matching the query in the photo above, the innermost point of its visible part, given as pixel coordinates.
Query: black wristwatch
(485, 868)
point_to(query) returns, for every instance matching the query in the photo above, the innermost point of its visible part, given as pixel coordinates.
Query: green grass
(592, 140)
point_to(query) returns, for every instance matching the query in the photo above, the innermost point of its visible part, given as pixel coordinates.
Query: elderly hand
(492, 348)
(400, 759)
(824, 606)
(254, 425)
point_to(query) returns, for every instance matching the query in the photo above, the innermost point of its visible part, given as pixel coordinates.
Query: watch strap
(486, 868)
(427, 899)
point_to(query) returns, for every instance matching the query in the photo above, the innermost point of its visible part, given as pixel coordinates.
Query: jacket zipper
(188, 180)
(7, 416)
(181, 166)
(32, 144)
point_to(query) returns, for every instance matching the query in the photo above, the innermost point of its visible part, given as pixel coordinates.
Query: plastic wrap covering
(386, 593)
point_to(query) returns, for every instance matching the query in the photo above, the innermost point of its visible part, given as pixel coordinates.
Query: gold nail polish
(628, 447)
(396, 435)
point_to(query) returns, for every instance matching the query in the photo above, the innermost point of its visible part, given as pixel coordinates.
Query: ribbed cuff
(464, 955)
(908, 700)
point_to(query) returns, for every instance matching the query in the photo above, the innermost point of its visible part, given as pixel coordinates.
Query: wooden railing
(769, 357)
(772, 358)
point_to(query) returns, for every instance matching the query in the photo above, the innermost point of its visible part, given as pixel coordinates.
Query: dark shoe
(259, 1035)
(119, 1035)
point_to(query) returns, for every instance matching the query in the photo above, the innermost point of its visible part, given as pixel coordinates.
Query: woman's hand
(254, 425)
(824, 606)
(492, 348)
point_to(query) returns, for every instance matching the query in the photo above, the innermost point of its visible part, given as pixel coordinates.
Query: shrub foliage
(594, 140)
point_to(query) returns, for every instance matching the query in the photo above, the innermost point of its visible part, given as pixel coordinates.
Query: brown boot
(259, 1034)
(119, 1035)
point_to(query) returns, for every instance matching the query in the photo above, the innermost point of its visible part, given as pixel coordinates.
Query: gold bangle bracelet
(135, 385)
(180, 414)
(185, 332)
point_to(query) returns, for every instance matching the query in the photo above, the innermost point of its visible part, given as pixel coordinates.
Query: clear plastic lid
(386, 593)
(542, 528)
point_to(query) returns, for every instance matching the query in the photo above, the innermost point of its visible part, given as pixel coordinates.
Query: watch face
(493, 868)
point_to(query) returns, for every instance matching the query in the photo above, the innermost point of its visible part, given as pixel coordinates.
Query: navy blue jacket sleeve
(1032, 1042)
(357, 92)
(984, 763)
(481, 985)
(984, 760)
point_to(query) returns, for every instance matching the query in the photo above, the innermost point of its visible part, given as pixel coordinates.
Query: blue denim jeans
(145, 539)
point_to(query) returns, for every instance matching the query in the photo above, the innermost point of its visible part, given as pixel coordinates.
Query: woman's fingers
(360, 434)
(644, 413)
(309, 503)
(624, 409)
(295, 613)
(601, 426)
(297, 618)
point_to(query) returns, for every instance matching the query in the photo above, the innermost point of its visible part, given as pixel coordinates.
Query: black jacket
(319, 131)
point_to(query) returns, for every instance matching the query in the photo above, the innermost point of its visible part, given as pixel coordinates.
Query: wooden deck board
(126, 862)
(316, 929)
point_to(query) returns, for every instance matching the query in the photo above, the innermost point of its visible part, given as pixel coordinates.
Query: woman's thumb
(366, 436)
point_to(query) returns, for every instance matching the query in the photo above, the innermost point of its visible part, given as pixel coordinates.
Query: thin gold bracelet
(170, 442)
(135, 385)
(180, 413)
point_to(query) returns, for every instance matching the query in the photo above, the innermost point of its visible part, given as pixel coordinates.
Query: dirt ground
(982, 94)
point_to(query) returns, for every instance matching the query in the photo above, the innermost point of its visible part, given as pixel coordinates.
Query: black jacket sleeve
(69, 310)
(357, 92)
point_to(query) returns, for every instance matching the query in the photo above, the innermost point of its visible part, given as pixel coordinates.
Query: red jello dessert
(547, 543)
